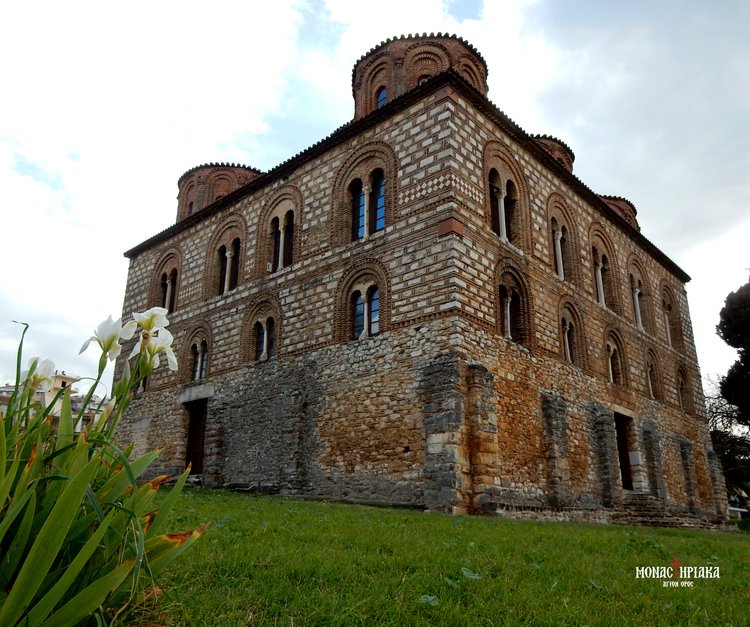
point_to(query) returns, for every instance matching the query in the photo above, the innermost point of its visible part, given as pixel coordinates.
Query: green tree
(734, 329)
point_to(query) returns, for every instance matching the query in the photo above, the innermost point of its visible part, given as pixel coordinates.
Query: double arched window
(514, 307)
(653, 376)
(684, 397)
(504, 208)
(199, 359)
(671, 318)
(282, 236)
(571, 336)
(615, 359)
(168, 289)
(367, 204)
(228, 265)
(604, 279)
(264, 338)
(365, 312)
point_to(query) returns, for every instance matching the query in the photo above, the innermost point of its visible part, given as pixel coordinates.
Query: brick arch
(613, 336)
(220, 184)
(424, 58)
(198, 332)
(558, 210)
(509, 274)
(170, 260)
(471, 72)
(377, 73)
(497, 156)
(599, 240)
(685, 399)
(233, 227)
(566, 306)
(360, 164)
(286, 198)
(263, 306)
(636, 272)
(671, 313)
(361, 270)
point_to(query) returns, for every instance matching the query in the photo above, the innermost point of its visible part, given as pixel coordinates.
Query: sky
(104, 105)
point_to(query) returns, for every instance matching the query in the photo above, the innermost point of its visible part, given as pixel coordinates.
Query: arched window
(571, 347)
(276, 239)
(356, 190)
(228, 260)
(168, 289)
(639, 301)
(199, 359)
(653, 379)
(603, 279)
(614, 363)
(503, 207)
(671, 317)
(365, 312)
(368, 205)
(377, 201)
(511, 314)
(561, 251)
(381, 97)
(264, 338)
(259, 333)
(289, 238)
(684, 398)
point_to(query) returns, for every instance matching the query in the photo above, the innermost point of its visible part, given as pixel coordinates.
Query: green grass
(271, 560)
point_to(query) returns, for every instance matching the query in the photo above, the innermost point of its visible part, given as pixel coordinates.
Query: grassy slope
(281, 561)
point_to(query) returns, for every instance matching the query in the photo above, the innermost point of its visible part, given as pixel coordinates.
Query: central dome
(398, 65)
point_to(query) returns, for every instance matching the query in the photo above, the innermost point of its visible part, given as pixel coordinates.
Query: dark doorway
(196, 436)
(622, 427)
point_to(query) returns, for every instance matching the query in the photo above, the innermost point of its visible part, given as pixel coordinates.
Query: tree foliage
(734, 329)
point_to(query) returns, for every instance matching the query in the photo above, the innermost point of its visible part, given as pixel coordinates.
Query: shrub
(78, 533)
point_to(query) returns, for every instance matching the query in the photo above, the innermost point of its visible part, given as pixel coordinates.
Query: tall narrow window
(614, 363)
(381, 97)
(358, 314)
(276, 237)
(271, 335)
(358, 209)
(511, 314)
(222, 261)
(196, 364)
(683, 392)
(570, 348)
(234, 264)
(377, 202)
(288, 238)
(561, 251)
(497, 206)
(373, 310)
(204, 359)
(607, 283)
(260, 340)
(511, 214)
(639, 309)
(652, 380)
(623, 427)
(671, 318)
(168, 290)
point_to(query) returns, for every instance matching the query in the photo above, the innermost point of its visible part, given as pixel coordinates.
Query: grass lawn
(279, 561)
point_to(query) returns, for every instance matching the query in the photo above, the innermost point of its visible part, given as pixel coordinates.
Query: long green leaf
(3, 452)
(46, 546)
(42, 609)
(12, 558)
(90, 598)
(131, 470)
(10, 515)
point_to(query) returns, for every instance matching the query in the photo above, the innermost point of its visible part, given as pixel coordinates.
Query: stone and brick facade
(427, 308)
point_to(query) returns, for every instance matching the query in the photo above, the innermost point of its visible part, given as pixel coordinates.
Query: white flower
(162, 343)
(153, 319)
(41, 378)
(108, 335)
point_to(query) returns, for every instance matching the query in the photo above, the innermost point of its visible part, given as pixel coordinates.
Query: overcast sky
(104, 105)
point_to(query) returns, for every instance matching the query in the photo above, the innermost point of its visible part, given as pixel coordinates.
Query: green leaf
(90, 598)
(46, 546)
(41, 610)
(16, 550)
(14, 510)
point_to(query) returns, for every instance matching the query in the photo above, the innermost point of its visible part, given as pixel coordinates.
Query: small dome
(624, 208)
(204, 184)
(400, 64)
(558, 149)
